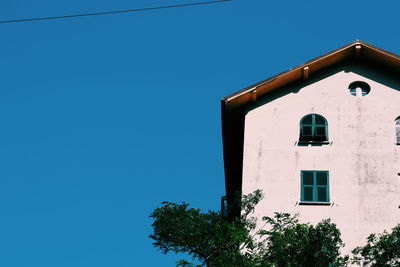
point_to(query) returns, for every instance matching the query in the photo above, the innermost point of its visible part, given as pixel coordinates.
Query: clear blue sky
(102, 118)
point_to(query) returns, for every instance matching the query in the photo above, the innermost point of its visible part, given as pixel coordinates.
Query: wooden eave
(233, 106)
(353, 50)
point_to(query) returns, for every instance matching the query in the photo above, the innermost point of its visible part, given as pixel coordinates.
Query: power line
(112, 12)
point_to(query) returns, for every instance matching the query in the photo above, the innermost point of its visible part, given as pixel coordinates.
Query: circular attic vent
(359, 88)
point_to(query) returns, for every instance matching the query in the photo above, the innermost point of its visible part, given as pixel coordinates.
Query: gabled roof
(354, 50)
(233, 106)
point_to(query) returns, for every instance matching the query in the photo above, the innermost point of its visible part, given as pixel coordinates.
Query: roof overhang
(233, 106)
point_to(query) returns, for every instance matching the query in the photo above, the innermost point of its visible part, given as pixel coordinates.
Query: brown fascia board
(233, 106)
(348, 51)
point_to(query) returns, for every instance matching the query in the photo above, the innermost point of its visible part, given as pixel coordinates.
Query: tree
(381, 249)
(208, 237)
(290, 243)
(216, 241)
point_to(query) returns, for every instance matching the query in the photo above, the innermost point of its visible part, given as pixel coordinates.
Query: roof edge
(352, 49)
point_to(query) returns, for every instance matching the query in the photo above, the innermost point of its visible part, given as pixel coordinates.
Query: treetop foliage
(214, 241)
(380, 250)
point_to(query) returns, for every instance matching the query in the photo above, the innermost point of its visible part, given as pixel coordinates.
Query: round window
(359, 88)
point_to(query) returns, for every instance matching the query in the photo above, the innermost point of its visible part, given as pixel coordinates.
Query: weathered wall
(362, 158)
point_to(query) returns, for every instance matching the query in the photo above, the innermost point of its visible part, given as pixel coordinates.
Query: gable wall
(362, 158)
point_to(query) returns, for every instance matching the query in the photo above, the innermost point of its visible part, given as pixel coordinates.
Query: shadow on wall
(362, 68)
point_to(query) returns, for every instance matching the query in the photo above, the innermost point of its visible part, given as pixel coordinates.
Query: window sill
(314, 203)
(314, 142)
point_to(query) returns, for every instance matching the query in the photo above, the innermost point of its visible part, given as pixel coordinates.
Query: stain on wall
(361, 155)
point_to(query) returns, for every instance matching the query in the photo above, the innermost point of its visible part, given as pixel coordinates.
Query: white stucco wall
(362, 158)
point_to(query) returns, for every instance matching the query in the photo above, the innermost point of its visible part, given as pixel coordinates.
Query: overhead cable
(111, 12)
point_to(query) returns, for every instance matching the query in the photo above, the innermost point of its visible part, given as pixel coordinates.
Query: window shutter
(313, 127)
(315, 186)
(307, 181)
(322, 186)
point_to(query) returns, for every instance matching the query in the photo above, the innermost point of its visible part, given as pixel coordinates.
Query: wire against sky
(112, 12)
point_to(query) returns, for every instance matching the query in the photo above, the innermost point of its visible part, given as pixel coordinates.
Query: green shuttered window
(313, 127)
(314, 186)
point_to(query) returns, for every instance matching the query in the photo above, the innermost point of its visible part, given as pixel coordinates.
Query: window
(397, 124)
(224, 207)
(315, 186)
(313, 127)
(359, 88)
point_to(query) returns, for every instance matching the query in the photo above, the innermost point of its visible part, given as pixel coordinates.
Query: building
(321, 140)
